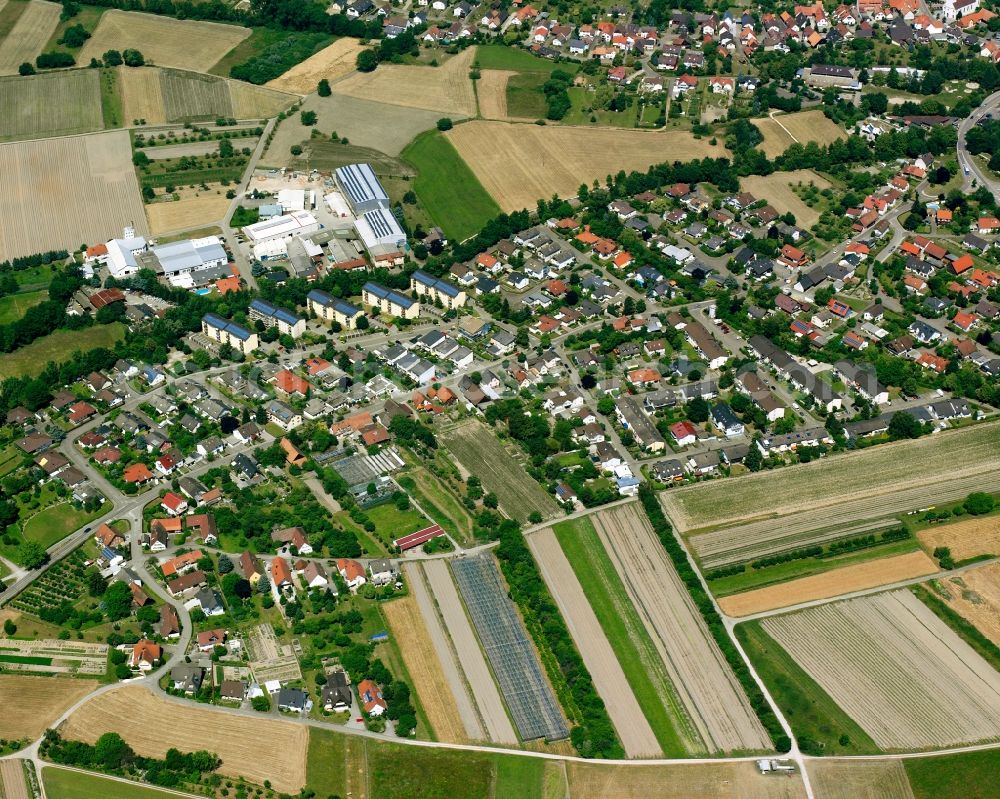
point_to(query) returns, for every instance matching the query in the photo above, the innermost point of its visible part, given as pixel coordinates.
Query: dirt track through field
(896, 669)
(707, 687)
(966, 539)
(518, 163)
(29, 35)
(30, 704)
(976, 596)
(465, 703)
(12, 782)
(781, 130)
(634, 731)
(857, 577)
(258, 749)
(860, 779)
(491, 707)
(331, 62)
(491, 89)
(419, 655)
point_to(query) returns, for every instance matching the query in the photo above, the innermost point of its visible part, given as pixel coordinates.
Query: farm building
(332, 309)
(288, 323)
(226, 332)
(362, 188)
(192, 261)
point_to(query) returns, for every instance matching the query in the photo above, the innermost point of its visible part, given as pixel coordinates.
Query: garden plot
(708, 689)
(165, 42)
(29, 35)
(488, 704)
(63, 582)
(975, 595)
(525, 688)
(870, 481)
(61, 192)
(478, 449)
(30, 704)
(900, 672)
(268, 658)
(600, 659)
(53, 657)
(255, 749)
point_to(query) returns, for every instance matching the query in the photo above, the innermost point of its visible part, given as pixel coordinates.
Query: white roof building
(122, 253)
(362, 188)
(380, 232)
(297, 223)
(181, 258)
(295, 200)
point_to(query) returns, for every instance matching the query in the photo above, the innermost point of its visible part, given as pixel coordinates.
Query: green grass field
(35, 277)
(111, 99)
(496, 56)
(758, 578)
(13, 306)
(440, 169)
(519, 778)
(55, 523)
(327, 762)
(818, 722)
(58, 347)
(404, 772)
(62, 784)
(627, 635)
(26, 659)
(524, 95)
(970, 775)
(581, 99)
(391, 522)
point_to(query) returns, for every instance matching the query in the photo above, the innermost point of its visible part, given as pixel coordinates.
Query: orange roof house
(181, 562)
(145, 654)
(943, 215)
(961, 264)
(137, 473)
(292, 454)
(290, 383)
(281, 572)
(352, 424)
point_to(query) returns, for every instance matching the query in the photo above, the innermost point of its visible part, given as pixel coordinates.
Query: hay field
(165, 42)
(781, 130)
(257, 102)
(776, 188)
(966, 539)
(694, 781)
(257, 749)
(518, 163)
(29, 35)
(491, 89)
(859, 779)
(899, 671)
(707, 687)
(331, 62)
(63, 192)
(976, 596)
(446, 89)
(188, 212)
(633, 729)
(50, 104)
(422, 661)
(382, 127)
(835, 582)
(142, 96)
(873, 472)
(477, 448)
(30, 704)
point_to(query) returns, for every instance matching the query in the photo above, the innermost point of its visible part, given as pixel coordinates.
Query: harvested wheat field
(446, 89)
(257, 102)
(879, 472)
(706, 685)
(777, 189)
(421, 659)
(836, 582)
(30, 704)
(975, 594)
(61, 192)
(332, 62)
(894, 667)
(694, 781)
(518, 163)
(781, 130)
(29, 35)
(633, 729)
(187, 212)
(965, 539)
(142, 95)
(859, 779)
(491, 89)
(258, 749)
(165, 42)
(51, 104)
(12, 782)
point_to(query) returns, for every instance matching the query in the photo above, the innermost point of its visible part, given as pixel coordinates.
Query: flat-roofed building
(389, 301)
(333, 309)
(288, 323)
(181, 260)
(225, 332)
(448, 294)
(269, 238)
(362, 188)
(381, 236)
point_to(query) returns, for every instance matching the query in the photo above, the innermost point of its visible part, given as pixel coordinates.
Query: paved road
(966, 160)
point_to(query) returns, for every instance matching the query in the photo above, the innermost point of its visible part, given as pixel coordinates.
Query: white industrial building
(296, 200)
(121, 258)
(362, 188)
(270, 238)
(381, 235)
(181, 261)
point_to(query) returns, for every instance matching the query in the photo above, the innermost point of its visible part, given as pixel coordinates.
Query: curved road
(965, 160)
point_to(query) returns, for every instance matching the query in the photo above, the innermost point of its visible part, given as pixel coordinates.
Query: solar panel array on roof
(266, 309)
(232, 328)
(364, 191)
(430, 281)
(388, 294)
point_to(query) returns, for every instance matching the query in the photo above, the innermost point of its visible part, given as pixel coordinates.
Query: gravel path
(634, 731)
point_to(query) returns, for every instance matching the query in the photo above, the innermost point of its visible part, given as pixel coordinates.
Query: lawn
(626, 634)
(14, 306)
(817, 721)
(437, 500)
(327, 763)
(56, 522)
(793, 569)
(59, 347)
(406, 772)
(10, 459)
(519, 777)
(969, 775)
(62, 784)
(440, 169)
(391, 522)
(495, 56)
(582, 99)
(25, 659)
(34, 277)
(524, 95)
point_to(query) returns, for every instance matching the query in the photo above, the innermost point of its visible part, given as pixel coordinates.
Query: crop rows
(64, 582)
